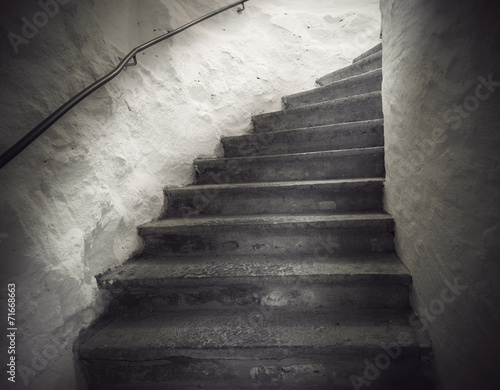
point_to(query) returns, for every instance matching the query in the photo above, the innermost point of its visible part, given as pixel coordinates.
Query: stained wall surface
(70, 203)
(441, 100)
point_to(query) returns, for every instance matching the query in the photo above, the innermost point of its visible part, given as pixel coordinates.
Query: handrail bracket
(134, 63)
(240, 10)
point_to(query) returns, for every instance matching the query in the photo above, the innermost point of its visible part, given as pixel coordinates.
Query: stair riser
(281, 200)
(368, 163)
(335, 137)
(294, 370)
(297, 301)
(358, 85)
(373, 50)
(366, 65)
(359, 108)
(266, 294)
(282, 239)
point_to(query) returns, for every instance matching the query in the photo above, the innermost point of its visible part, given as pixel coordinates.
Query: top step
(367, 53)
(367, 64)
(352, 86)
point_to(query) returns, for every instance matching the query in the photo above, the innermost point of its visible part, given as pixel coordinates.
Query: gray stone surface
(324, 165)
(339, 269)
(369, 63)
(212, 335)
(373, 50)
(355, 85)
(270, 234)
(361, 134)
(227, 350)
(320, 196)
(352, 109)
(264, 283)
(281, 274)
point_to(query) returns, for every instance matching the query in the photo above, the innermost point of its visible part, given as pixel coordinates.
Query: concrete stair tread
(294, 285)
(309, 196)
(269, 219)
(158, 270)
(371, 62)
(320, 104)
(333, 127)
(236, 333)
(270, 234)
(309, 139)
(322, 153)
(375, 49)
(361, 107)
(366, 82)
(321, 165)
(277, 184)
(295, 282)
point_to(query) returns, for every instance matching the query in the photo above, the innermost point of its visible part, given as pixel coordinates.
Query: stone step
(277, 269)
(363, 134)
(287, 235)
(224, 350)
(355, 85)
(369, 52)
(367, 64)
(262, 282)
(336, 164)
(352, 109)
(325, 196)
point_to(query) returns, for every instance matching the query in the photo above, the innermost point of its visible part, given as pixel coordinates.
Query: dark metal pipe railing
(20, 145)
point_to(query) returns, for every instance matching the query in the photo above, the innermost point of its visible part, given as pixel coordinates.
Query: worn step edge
(356, 85)
(162, 284)
(369, 52)
(267, 234)
(324, 220)
(338, 136)
(160, 271)
(289, 235)
(323, 165)
(243, 340)
(225, 333)
(305, 293)
(338, 152)
(367, 64)
(335, 196)
(334, 183)
(356, 108)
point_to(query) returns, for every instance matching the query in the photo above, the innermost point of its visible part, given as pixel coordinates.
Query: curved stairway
(277, 269)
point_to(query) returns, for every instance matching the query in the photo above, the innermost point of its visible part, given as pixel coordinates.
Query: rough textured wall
(441, 94)
(70, 203)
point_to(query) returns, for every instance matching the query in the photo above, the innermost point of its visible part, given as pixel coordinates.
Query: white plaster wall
(70, 203)
(442, 134)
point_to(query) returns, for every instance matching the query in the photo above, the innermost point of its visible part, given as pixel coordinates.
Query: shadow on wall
(441, 93)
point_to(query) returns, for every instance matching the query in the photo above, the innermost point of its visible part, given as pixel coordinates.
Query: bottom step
(241, 349)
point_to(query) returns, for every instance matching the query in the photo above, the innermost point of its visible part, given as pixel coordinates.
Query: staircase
(277, 269)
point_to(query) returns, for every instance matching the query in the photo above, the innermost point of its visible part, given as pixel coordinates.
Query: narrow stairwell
(277, 269)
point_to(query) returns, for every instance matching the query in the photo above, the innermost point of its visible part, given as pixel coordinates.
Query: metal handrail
(20, 145)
